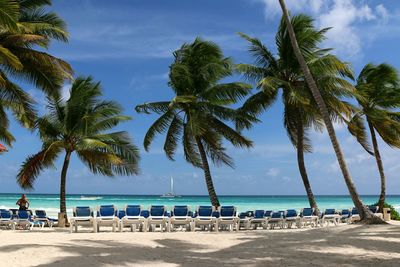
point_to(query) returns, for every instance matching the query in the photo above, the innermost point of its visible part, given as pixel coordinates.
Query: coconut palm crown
(81, 126)
(26, 31)
(378, 96)
(199, 114)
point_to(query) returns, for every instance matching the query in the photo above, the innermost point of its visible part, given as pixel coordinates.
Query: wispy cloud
(273, 172)
(139, 82)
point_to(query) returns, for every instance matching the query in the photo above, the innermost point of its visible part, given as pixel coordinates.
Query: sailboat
(171, 193)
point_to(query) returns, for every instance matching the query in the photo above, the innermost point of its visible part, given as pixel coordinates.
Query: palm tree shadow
(319, 247)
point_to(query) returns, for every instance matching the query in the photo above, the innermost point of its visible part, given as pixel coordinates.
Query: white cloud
(273, 172)
(382, 12)
(272, 7)
(139, 82)
(344, 16)
(66, 91)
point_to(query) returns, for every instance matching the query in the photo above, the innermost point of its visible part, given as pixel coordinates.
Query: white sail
(171, 193)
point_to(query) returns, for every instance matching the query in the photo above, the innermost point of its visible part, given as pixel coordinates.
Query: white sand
(345, 245)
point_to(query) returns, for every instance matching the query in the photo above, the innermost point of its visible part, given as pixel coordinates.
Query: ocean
(50, 202)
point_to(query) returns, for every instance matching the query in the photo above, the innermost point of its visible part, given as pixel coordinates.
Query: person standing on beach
(23, 203)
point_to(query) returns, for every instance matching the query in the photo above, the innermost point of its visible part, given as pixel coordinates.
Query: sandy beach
(344, 245)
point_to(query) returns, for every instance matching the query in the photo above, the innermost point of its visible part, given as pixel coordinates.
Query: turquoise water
(50, 202)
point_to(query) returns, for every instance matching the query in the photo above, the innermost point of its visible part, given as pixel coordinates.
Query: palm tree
(79, 125)
(282, 72)
(377, 95)
(26, 30)
(365, 214)
(198, 114)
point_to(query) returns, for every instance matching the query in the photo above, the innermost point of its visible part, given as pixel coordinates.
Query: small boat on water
(171, 193)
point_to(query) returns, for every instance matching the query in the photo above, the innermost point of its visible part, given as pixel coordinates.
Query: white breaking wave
(89, 198)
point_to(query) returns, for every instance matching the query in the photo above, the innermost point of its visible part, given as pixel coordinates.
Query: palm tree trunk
(207, 174)
(365, 214)
(378, 159)
(63, 206)
(302, 166)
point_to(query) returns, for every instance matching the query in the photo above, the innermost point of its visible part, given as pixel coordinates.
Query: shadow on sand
(358, 246)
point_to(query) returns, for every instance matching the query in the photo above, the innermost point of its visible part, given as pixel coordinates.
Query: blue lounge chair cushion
(329, 212)
(204, 211)
(268, 213)
(145, 213)
(107, 210)
(215, 214)
(374, 209)
(242, 215)
(291, 213)
(23, 215)
(5, 214)
(180, 211)
(259, 214)
(227, 211)
(41, 214)
(276, 215)
(133, 210)
(157, 211)
(354, 211)
(345, 212)
(121, 214)
(82, 212)
(307, 212)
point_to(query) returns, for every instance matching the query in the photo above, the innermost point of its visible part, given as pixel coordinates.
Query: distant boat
(171, 193)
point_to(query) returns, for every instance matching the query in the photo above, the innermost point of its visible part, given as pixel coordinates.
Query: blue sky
(127, 45)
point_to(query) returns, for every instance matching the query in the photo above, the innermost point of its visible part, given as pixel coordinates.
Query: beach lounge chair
(24, 220)
(375, 211)
(330, 216)
(157, 217)
(107, 216)
(41, 216)
(228, 218)
(355, 215)
(259, 219)
(133, 218)
(82, 216)
(180, 217)
(268, 214)
(308, 218)
(291, 217)
(6, 219)
(276, 219)
(205, 217)
(244, 219)
(345, 215)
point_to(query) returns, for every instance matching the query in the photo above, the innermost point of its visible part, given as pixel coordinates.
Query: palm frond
(35, 164)
(356, 127)
(9, 12)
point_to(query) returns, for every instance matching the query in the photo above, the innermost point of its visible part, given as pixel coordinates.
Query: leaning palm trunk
(378, 159)
(207, 175)
(62, 218)
(365, 214)
(302, 167)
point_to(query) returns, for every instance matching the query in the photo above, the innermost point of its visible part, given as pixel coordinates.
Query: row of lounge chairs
(307, 217)
(156, 217)
(204, 218)
(24, 219)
